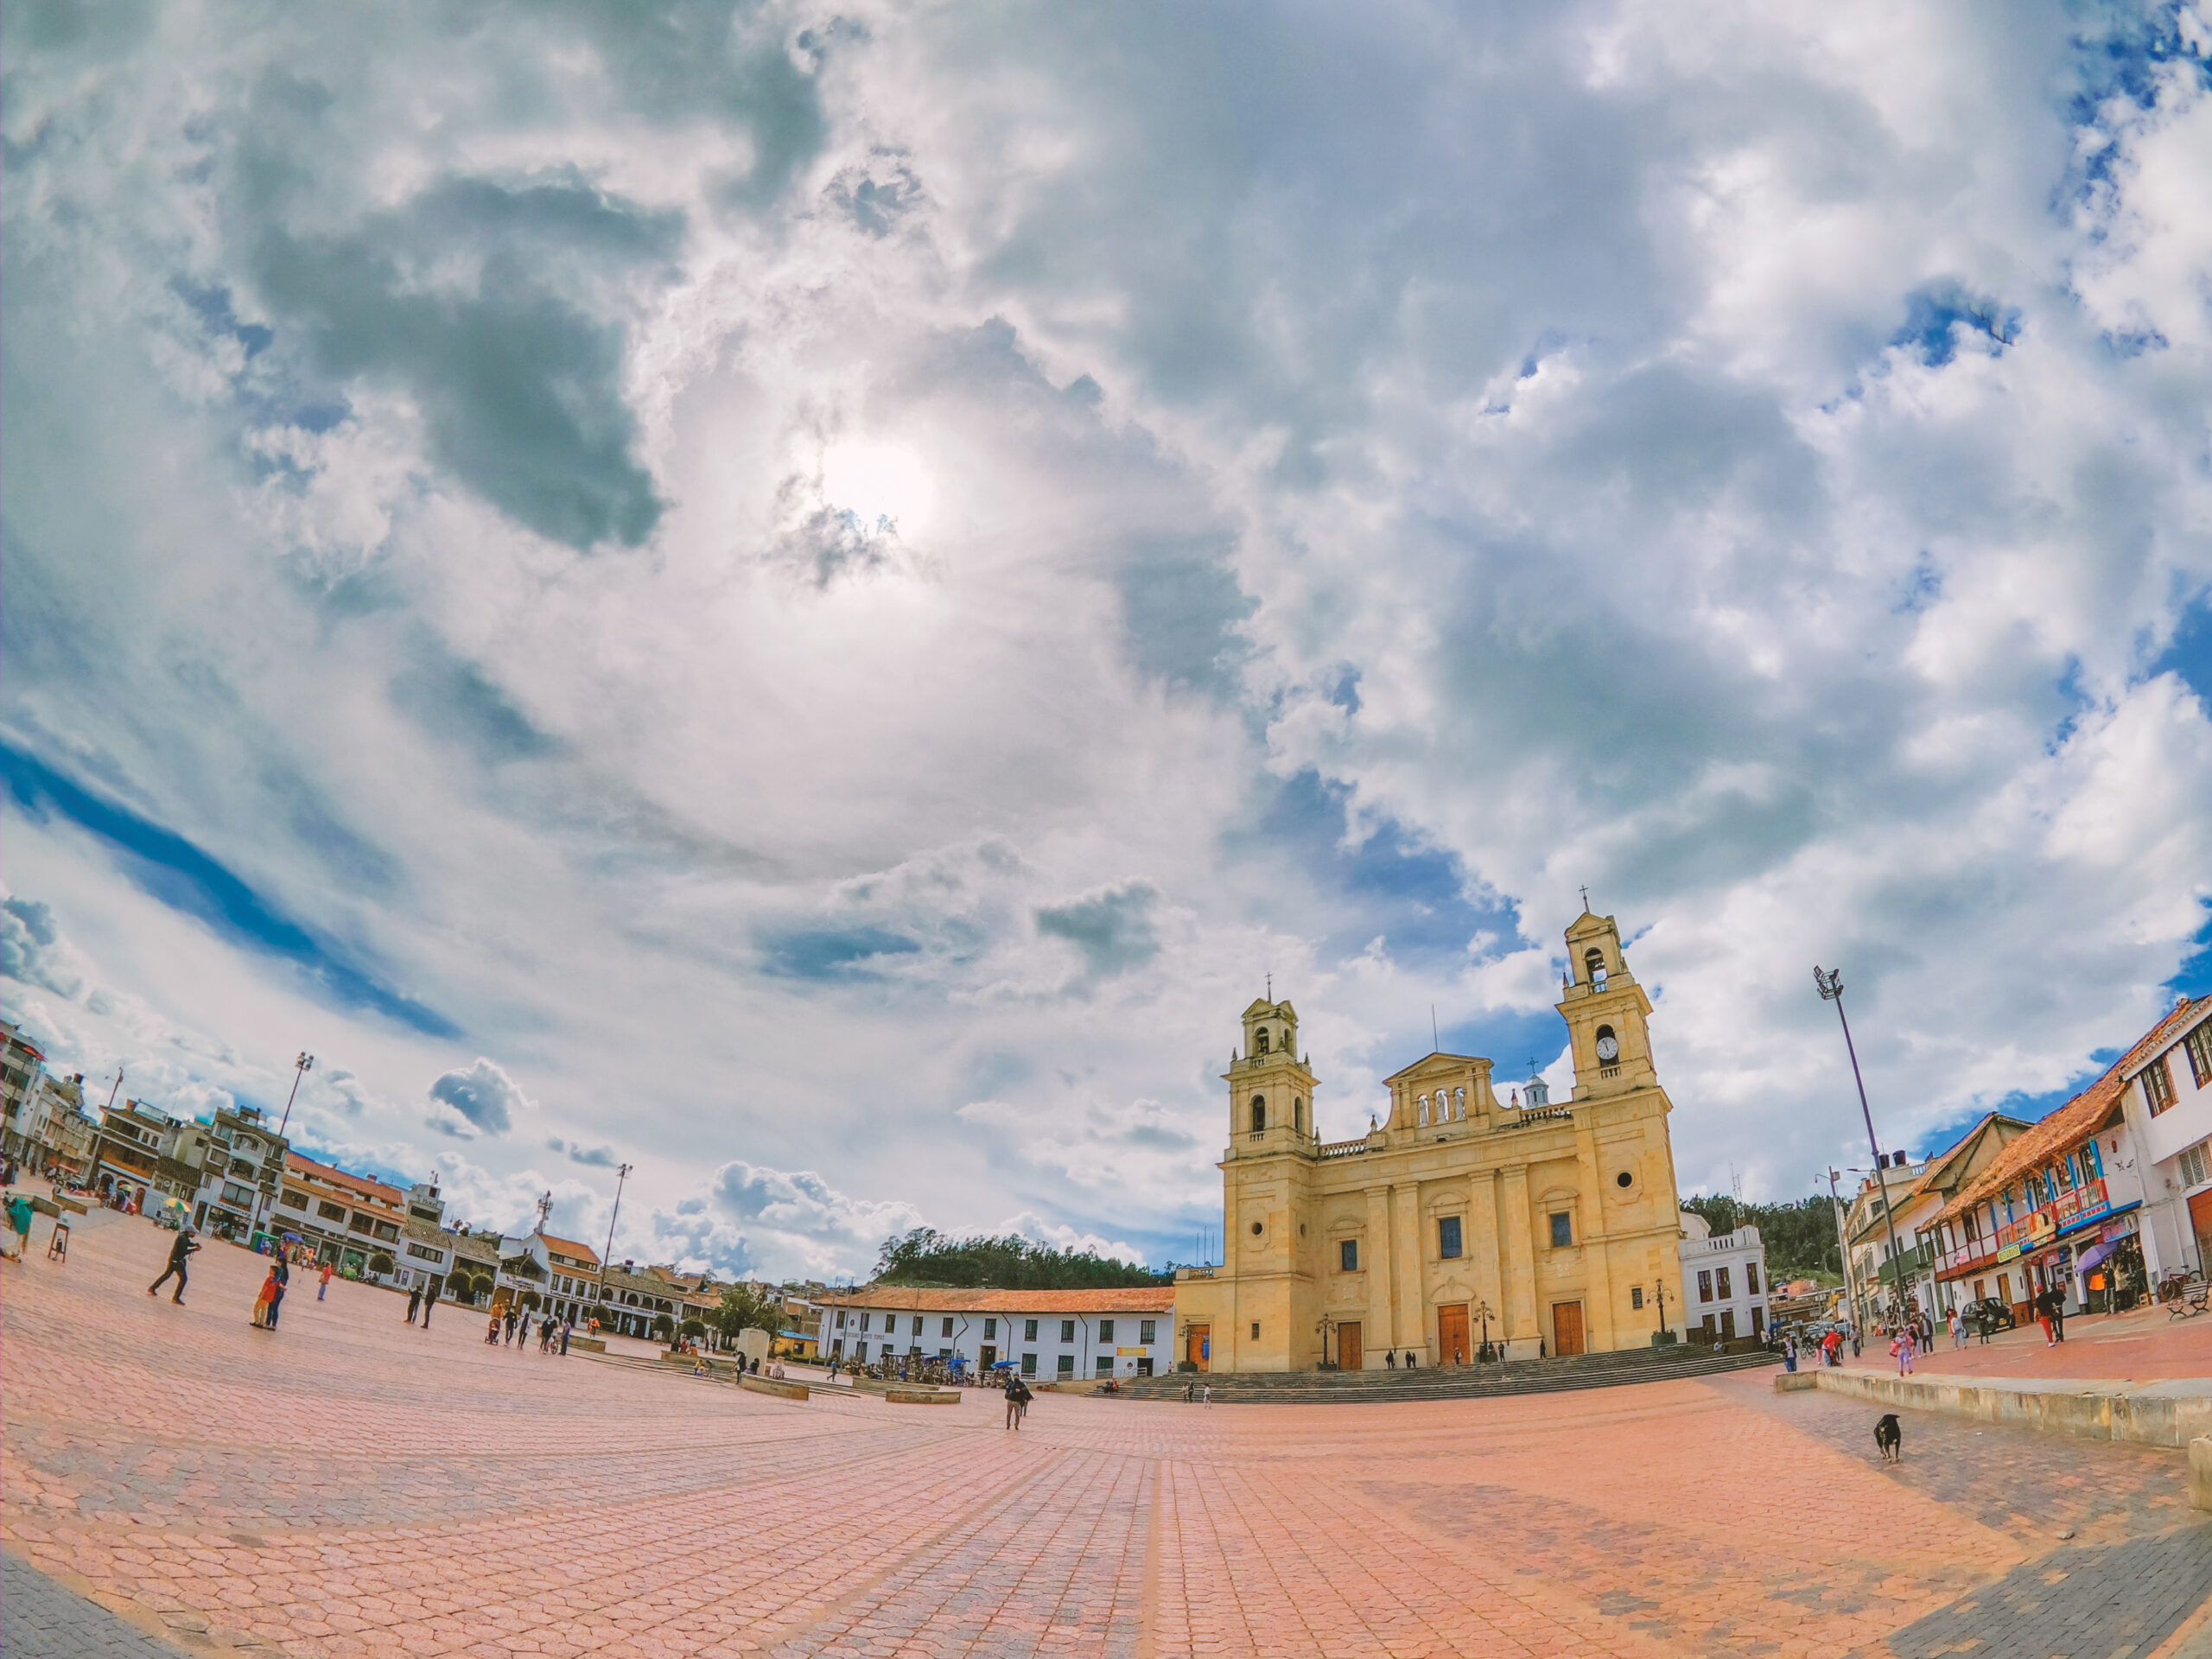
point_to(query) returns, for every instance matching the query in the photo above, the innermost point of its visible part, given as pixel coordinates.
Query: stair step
(1526, 1376)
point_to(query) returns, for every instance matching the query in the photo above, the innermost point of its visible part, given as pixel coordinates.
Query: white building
(2166, 1097)
(1724, 1283)
(1049, 1335)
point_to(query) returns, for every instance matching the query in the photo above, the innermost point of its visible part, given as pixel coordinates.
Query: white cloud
(852, 642)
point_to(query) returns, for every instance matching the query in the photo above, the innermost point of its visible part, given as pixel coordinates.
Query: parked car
(1990, 1314)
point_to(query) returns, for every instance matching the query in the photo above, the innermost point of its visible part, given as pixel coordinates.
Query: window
(1029, 1330)
(1562, 1230)
(947, 1331)
(233, 1193)
(1147, 1331)
(428, 1216)
(864, 1319)
(1636, 1295)
(1720, 1280)
(1348, 1256)
(1067, 1364)
(425, 1253)
(1105, 1365)
(2158, 1085)
(330, 1211)
(363, 1220)
(1705, 1284)
(917, 1324)
(990, 1329)
(1447, 1237)
(1255, 1330)
(1067, 1330)
(294, 1199)
(1750, 1278)
(1029, 1365)
(2199, 1047)
(1105, 1330)
(1259, 1113)
(2196, 1163)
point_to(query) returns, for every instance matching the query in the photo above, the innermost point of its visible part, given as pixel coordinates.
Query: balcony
(1341, 1148)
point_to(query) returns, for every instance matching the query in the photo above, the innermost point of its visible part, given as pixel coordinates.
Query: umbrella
(2090, 1257)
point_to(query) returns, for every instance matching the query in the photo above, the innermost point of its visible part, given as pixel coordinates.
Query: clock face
(1608, 1050)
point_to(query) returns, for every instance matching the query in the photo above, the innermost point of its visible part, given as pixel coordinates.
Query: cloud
(483, 1095)
(1112, 927)
(31, 948)
(576, 1153)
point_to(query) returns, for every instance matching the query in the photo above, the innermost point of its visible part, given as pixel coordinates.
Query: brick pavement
(42, 1619)
(2144, 1345)
(349, 1486)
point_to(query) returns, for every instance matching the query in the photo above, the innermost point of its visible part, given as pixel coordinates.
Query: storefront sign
(1131, 1353)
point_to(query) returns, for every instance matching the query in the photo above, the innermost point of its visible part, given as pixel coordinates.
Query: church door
(1567, 1328)
(1349, 1357)
(1200, 1351)
(1452, 1347)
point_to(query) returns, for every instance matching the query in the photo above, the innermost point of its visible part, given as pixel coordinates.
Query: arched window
(1593, 961)
(1262, 1048)
(1259, 1113)
(1297, 1115)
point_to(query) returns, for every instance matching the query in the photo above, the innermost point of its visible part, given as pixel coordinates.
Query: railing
(1341, 1148)
(1538, 1115)
(1609, 1071)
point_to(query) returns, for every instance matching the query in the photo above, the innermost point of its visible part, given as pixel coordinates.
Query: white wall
(1082, 1351)
(1737, 1252)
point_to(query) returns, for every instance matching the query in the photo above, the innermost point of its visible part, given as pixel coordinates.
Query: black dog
(1888, 1439)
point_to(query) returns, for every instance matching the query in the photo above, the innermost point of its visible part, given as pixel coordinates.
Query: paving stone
(41, 1619)
(352, 1485)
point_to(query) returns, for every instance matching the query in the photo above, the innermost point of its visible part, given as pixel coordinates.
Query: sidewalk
(2143, 1346)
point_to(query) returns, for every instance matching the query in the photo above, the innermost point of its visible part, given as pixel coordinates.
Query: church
(1535, 1226)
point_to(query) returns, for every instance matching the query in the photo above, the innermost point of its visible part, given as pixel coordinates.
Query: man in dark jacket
(179, 1253)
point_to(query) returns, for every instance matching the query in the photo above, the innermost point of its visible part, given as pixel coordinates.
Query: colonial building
(2167, 1097)
(1548, 1229)
(1055, 1335)
(1723, 1293)
(241, 1161)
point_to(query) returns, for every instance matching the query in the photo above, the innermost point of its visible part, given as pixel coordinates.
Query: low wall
(587, 1344)
(782, 1389)
(923, 1396)
(2170, 1414)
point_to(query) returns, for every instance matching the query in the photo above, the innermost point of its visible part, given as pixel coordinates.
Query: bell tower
(1605, 1011)
(1270, 1091)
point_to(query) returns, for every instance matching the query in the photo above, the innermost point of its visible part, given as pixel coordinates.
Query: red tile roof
(362, 1185)
(2076, 1121)
(923, 1299)
(569, 1247)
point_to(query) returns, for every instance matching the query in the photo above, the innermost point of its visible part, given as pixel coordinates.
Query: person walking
(414, 1302)
(280, 1273)
(19, 1223)
(1206, 1395)
(264, 1298)
(430, 1301)
(511, 1322)
(1958, 1323)
(2058, 1309)
(1901, 1345)
(522, 1331)
(1013, 1393)
(180, 1252)
(568, 1326)
(323, 1289)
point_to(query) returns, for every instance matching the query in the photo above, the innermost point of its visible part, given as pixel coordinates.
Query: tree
(663, 1325)
(1799, 1236)
(530, 1299)
(925, 1256)
(691, 1328)
(380, 1262)
(745, 1307)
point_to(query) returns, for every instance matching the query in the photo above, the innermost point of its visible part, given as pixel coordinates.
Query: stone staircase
(1519, 1376)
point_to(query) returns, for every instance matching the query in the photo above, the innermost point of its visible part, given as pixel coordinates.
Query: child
(1901, 1345)
(265, 1299)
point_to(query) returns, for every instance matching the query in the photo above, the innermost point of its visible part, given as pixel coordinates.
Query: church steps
(1525, 1376)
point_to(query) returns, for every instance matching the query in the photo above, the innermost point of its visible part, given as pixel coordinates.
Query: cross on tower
(1585, 898)
(1271, 988)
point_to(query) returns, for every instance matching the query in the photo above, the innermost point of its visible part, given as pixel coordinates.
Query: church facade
(1535, 1226)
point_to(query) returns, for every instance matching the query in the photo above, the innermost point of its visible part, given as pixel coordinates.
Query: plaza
(352, 1485)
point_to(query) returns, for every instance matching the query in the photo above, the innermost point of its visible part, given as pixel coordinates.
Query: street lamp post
(1661, 1289)
(301, 1067)
(621, 1176)
(1842, 1241)
(1831, 984)
(1482, 1313)
(265, 1199)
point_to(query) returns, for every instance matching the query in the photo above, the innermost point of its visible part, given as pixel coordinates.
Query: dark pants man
(176, 1269)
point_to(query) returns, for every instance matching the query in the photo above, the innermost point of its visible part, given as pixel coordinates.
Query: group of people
(512, 1327)
(1828, 1348)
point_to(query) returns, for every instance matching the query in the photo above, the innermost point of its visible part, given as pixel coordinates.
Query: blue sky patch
(164, 865)
(831, 953)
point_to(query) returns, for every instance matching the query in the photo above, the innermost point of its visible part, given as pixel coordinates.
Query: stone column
(1600, 1319)
(1482, 1255)
(1376, 1333)
(1409, 1302)
(1520, 1269)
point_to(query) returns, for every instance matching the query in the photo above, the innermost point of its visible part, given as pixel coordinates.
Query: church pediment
(1436, 1065)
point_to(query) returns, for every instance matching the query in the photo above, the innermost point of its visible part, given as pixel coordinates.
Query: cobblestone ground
(349, 1486)
(2146, 1345)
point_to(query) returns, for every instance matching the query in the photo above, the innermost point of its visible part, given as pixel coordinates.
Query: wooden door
(1728, 1326)
(1452, 1347)
(1566, 1329)
(1200, 1350)
(989, 1358)
(1349, 1357)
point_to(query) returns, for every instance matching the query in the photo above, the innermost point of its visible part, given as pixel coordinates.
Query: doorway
(1199, 1348)
(1728, 1326)
(1566, 1329)
(1452, 1347)
(989, 1356)
(1348, 1356)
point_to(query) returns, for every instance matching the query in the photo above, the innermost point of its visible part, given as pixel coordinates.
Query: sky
(810, 598)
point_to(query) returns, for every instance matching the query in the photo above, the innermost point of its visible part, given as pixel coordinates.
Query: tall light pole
(301, 1067)
(1842, 1241)
(621, 1176)
(1831, 984)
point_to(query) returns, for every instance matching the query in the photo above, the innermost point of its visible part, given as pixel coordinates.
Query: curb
(2168, 1414)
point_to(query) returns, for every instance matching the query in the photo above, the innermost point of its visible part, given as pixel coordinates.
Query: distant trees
(925, 1256)
(380, 1262)
(1800, 1238)
(745, 1307)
